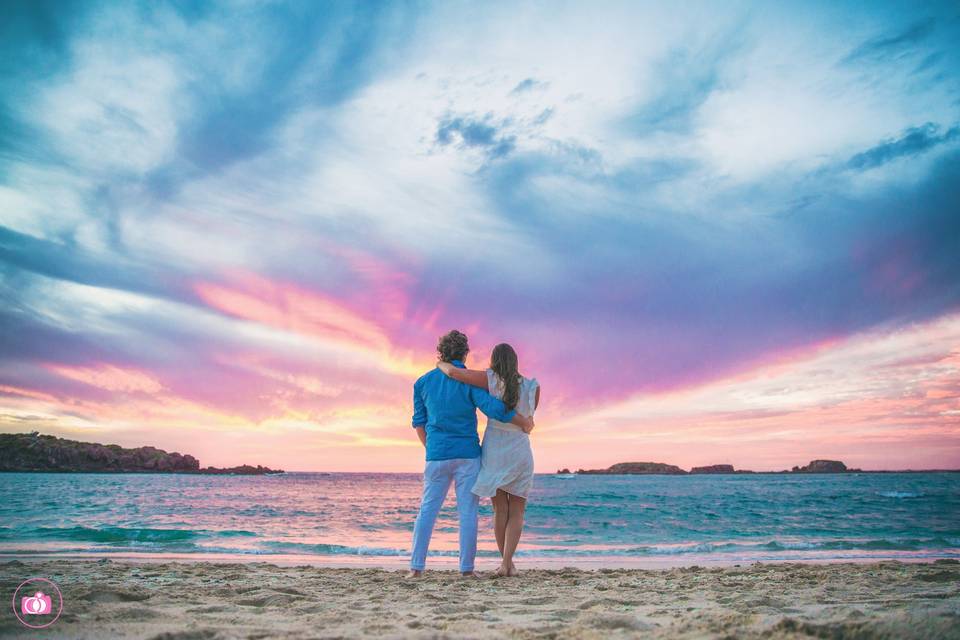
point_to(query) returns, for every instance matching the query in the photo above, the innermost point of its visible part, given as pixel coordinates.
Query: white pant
(437, 476)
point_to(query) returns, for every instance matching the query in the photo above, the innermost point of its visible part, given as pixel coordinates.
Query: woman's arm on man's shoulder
(468, 376)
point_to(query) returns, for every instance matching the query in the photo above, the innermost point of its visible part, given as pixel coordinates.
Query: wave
(118, 534)
(185, 541)
(771, 546)
(243, 541)
(297, 548)
(899, 494)
(775, 546)
(115, 534)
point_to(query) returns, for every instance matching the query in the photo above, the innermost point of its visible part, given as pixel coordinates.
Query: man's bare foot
(469, 574)
(414, 573)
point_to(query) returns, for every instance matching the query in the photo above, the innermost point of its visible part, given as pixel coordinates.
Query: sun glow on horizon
(862, 397)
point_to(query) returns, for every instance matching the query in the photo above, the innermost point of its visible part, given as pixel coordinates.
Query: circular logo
(34, 602)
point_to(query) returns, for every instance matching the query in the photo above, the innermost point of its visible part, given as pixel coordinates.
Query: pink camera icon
(38, 604)
(36, 611)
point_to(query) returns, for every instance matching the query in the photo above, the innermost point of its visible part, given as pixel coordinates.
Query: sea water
(320, 517)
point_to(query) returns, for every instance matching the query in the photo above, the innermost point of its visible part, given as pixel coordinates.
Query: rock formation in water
(823, 466)
(714, 468)
(636, 468)
(242, 470)
(34, 452)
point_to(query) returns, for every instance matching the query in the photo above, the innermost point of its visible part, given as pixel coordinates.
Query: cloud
(473, 132)
(912, 141)
(143, 94)
(115, 113)
(67, 261)
(529, 84)
(304, 56)
(292, 308)
(110, 377)
(682, 81)
(877, 48)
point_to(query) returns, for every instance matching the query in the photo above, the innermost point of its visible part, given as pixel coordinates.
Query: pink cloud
(109, 377)
(7, 390)
(292, 308)
(383, 287)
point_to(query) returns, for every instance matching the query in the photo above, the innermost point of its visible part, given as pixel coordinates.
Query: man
(445, 417)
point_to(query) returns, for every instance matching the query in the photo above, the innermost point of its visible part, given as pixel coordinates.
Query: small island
(717, 469)
(35, 452)
(824, 466)
(635, 468)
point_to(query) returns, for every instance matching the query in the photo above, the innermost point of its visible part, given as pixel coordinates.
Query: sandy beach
(204, 600)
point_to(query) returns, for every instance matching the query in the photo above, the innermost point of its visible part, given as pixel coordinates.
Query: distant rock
(563, 471)
(822, 466)
(637, 468)
(242, 470)
(714, 468)
(34, 452)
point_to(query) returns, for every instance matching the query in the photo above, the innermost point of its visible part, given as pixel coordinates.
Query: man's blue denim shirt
(448, 410)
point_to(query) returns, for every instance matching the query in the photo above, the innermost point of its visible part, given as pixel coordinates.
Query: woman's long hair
(503, 361)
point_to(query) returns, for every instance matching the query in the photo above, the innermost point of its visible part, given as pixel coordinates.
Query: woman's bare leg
(516, 508)
(501, 511)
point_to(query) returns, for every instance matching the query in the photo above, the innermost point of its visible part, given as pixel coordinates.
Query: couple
(445, 403)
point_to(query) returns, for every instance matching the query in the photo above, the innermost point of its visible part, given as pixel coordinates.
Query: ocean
(328, 518)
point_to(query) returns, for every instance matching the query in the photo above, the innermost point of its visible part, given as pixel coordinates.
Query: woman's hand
(446, 367)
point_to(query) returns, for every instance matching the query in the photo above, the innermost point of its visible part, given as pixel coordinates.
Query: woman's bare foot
(414, 573)
(503, 571)
(512, 571)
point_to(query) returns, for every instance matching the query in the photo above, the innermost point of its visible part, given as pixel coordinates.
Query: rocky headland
(35, 452)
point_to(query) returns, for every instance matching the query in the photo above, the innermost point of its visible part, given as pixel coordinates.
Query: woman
(506, 471)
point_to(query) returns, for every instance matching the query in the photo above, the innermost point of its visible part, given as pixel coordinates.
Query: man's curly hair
(453, 346)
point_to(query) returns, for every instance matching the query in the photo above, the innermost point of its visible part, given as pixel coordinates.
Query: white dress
(507, 461)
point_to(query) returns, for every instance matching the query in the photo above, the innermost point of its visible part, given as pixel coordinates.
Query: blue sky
(263, 214)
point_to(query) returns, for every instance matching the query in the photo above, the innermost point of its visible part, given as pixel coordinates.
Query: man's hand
(523, 422)
(422, 434)
(446, 367)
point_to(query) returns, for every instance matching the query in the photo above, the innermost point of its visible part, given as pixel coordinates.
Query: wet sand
(207, 600)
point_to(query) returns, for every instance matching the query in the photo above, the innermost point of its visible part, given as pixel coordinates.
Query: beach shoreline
(130, 598)
(450, 562)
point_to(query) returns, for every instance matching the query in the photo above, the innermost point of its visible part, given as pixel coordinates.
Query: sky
(714, 232)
